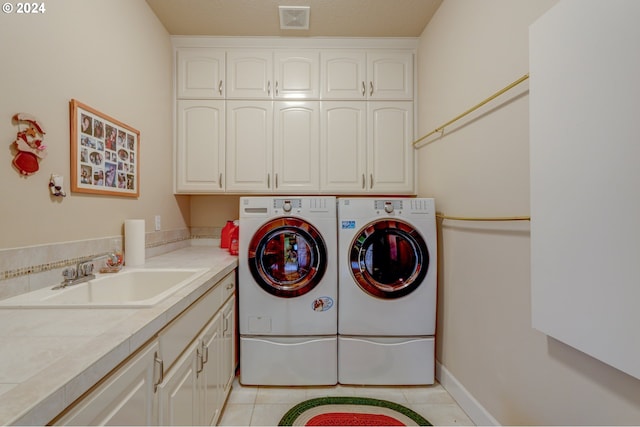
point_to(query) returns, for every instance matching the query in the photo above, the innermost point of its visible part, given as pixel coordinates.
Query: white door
(296, 74)
(249, 74)
(390, 153)
(249, 146)
(178, 392)
(126, 398)
(200, 146)
(228, 371)
(210, 377)
(343, 74)
(390, 75)
(296, 147)
(343, 146)
(200, 73)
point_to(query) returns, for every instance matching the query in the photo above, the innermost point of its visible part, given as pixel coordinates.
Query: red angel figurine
(29, 144)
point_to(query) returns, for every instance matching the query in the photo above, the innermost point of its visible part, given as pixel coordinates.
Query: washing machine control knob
(286, 206)
(388, 207)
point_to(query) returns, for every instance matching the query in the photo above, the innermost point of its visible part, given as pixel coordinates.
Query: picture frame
(105, 153)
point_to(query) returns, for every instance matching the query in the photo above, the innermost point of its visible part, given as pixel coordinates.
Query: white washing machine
(287, 290)
(387, 291)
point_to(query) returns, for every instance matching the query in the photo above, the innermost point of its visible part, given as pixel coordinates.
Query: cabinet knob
(276, 88)
(220, 87)
(364, 88)
(370, 88)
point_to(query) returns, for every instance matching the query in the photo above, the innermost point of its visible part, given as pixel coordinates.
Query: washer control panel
(287, 204)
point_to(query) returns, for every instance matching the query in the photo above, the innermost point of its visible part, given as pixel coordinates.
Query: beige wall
(112, 55)
(480, 167)
(214, 211)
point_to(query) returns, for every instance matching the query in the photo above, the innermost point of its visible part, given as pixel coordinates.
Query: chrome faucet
(83, 271)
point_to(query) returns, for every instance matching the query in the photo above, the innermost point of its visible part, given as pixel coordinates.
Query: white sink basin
(126, 289)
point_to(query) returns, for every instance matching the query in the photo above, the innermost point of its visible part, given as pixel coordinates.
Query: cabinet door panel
(296, 148)
(228, 370)
(249, 146)
(200, 146)
(211, 381)
(126, 398)
(343, 146)
(390, 75)
(249, 74)
(343, 75)
(178, 392)
(297, 74)
(390, 129)
(200, 73)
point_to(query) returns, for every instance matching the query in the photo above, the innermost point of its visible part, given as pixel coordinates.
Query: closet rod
(465, 218)
(472, 109)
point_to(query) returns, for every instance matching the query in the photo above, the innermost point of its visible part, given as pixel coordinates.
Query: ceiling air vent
(294, 17)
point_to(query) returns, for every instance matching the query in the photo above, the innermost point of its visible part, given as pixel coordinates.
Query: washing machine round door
(287, 257)
(389, 259)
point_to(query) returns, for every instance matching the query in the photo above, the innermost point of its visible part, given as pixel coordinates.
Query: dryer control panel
(387, 205)
(287, 204)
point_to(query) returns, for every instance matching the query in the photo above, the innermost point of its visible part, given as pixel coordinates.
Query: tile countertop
(50, 357)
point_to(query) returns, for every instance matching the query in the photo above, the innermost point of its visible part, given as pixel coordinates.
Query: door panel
(287, 257)
(389, 259)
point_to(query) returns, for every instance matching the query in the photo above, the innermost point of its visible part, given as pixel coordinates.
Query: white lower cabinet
(192, 392)
(125, 398)
(182, 376)
(211, 377)
(229, 344)
(178, 391)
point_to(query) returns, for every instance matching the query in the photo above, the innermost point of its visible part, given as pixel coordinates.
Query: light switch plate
(157, 222)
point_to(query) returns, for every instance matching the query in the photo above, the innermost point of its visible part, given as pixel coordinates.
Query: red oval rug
(351, 411)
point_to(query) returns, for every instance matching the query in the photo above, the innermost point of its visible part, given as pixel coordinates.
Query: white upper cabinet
(302, 116)
(366, 75)
(265, 74)
(344, 74)
(296, 146)
(200, 73)
(249, 146)
(365, 147)
(250, 74)
(272, 146)
(389, 150)
(297, 74)
(343, 146)
(200, 146)
(390, 75)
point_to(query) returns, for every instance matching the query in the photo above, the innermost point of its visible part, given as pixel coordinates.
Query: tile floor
(265, 406)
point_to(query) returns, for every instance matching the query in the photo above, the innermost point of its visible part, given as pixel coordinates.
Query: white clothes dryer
(287, 290)
(387, 291)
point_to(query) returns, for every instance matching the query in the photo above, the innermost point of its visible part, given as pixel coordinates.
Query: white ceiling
(328, 18)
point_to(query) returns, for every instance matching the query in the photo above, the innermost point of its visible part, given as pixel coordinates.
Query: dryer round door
(287, 257)
(389, 258)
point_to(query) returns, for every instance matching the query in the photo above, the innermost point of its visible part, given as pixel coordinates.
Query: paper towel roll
(133, 242)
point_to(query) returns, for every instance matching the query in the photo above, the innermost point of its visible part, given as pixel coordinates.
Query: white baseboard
(478, 414)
